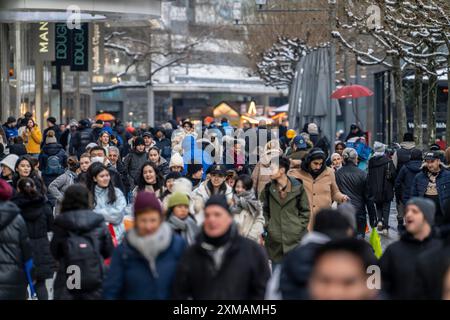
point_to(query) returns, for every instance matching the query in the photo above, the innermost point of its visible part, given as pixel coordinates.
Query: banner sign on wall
(97, 49)
(80, 49)
(62, 44)
(43, 39)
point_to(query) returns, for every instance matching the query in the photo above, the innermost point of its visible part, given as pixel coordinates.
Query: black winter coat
(352, 181)
(381, 179)
(14, 252)
(84, 222)
(78, 143)
(398, 265)
(18, 149)
(133, 163)
(405, 179)
(38, 216)
(243, 274)
(52, 149)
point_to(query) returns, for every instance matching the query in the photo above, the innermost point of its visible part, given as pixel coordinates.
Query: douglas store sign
(66, 47)
(72, 47)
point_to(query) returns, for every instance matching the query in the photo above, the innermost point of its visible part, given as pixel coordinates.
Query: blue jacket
(405, 180)
(10, 133)
(130, 277)
(420, 184)
(194, 154)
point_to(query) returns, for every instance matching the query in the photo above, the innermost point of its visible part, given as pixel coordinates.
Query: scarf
(217, 247)
(246, 201)
(188, 227)
(432, 188)
(151, 246)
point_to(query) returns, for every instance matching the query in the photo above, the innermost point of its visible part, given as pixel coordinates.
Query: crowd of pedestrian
(100, 210)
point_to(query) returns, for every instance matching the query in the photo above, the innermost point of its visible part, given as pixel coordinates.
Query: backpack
(81, 251)
(54, 166)
(266, 207)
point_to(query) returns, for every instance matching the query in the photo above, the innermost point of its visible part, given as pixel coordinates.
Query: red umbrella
(352, 92)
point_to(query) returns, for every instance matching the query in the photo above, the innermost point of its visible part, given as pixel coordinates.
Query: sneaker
(385, 232)
(380, 226)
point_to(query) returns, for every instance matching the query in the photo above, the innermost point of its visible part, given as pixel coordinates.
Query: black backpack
(266, 206)
(82, 251)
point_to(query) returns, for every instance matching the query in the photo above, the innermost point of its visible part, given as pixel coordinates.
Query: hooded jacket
(403, 155)
(321, 191)
(48, 150)
(242, 275)
(38, 216)
(381, 179)
(286, 221)
(261, 173)
(405, 179)
(81, 138)
(84, 222)
(398, 265)
(15, 250)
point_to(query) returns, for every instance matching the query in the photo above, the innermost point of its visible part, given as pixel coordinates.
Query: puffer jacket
(112, 212)
(405, 179)
(163, 166)
(420, 184)
(133, 163)
(38, 216)
(15, 250)
(248, 215)
(61, 183)
(83, 222)
(33, 139)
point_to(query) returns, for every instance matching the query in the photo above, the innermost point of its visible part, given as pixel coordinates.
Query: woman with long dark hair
(150, 179)
(38, 215)
(24, 169)
(108, 200)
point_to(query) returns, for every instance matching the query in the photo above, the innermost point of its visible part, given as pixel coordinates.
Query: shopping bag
(375, 242)
(28, 266)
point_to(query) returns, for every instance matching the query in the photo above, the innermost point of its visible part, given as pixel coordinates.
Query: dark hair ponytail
(27, 187)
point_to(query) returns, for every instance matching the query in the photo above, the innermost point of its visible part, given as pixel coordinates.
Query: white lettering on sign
(43, 37)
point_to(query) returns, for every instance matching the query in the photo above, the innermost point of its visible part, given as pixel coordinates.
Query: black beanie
(218, 200)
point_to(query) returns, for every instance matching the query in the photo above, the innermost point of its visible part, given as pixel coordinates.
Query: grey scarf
(246, 201)
(151, 246)
(188, 227)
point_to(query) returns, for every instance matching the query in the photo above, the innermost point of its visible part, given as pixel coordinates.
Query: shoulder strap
(266, 199)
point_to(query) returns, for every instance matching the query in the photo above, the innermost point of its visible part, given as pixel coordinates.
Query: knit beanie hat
(51, 120)
(218, 200)
(146, 201)
(50, 137)
(379, 147)
(10, 161)
(176, 160)
(178, 198)
(427, 207)
(313, 128)
(6, 190)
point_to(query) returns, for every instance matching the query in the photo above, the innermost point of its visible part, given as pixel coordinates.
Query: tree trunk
(418, 130)
(399, 97)
(431, 109)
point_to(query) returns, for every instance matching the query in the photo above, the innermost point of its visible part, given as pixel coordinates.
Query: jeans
(383, 211)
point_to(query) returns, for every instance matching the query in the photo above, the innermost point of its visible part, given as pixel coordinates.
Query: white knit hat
(10, 161)
(176, 160)
(182, 185)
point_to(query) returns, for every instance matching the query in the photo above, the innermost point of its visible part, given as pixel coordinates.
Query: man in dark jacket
(52, 159)
(404, 182)
(294, 274)
(352, 181)
(134, 160)
(81, 139)
(381, 179)
(51, 125)
(221, 265)
(398, 262)
(433, 183)
(163, 143)
(15, 249)
(10, 130)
